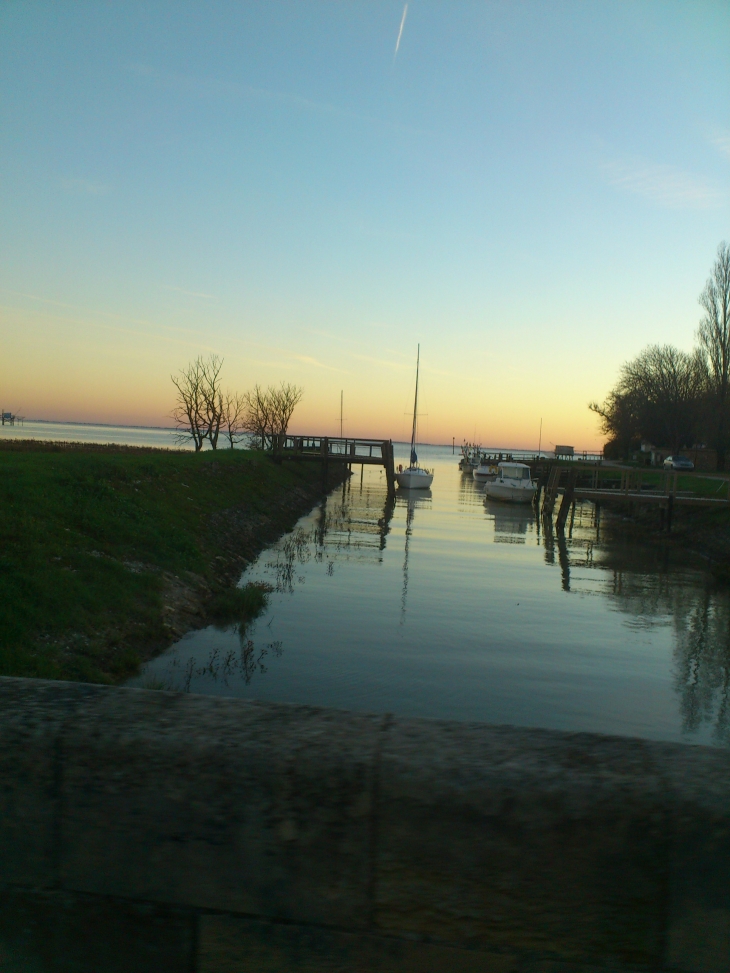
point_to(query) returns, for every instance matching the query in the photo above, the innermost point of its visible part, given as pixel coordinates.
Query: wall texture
(150, 831)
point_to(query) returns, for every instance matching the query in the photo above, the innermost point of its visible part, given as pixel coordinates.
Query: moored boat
(485, 471)
(414, 477)
(513, 484)
(470, 457)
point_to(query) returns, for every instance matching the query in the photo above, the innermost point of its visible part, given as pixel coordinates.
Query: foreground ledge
(162, 831)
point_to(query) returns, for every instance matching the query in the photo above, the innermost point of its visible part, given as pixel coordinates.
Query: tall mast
(414, 458)
(341, 395)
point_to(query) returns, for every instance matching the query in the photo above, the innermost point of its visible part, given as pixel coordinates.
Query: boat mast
(414, 458)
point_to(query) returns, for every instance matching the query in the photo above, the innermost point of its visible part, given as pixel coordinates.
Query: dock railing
(338, 449)
(334, 447)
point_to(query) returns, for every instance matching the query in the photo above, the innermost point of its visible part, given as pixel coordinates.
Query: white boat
(485, 471)
(513, 483)
(414, 477)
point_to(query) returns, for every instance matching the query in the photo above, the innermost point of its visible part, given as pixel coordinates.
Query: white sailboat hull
(414, 479)
(495, 490)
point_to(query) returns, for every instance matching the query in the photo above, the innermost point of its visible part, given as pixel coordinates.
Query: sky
(533, 192)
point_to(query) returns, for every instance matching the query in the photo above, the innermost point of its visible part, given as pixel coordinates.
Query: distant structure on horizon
(8, 419)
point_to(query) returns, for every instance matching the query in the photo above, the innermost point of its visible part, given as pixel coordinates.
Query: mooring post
(325, 461)
(566, 501)
(389, 464)
(542, 477)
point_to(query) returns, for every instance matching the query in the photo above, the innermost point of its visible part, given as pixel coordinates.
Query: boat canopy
(515, 471)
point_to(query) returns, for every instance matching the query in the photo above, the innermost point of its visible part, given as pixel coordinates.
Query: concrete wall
(148, 831)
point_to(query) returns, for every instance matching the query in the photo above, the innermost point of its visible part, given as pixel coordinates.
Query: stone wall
(149, 831)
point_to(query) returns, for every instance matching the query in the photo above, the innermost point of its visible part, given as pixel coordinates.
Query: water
(88, 433)
(443, 606)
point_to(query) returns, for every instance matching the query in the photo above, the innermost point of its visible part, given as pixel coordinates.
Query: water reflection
(640, 581)
(410, 499)
(508, 619)
(511, 521)
(223, 664)
(702, 665)
(351, 524)
(470, 491)
(699, 617)
(555, 541)
(645, 583)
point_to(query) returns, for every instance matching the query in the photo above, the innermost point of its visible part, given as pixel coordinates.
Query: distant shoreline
(396, 442)
(102, 425)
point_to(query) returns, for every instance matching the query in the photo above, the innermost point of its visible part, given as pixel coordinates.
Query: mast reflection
(410, 499)
(352, 523)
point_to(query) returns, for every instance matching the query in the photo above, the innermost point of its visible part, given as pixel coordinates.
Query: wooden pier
(606, 484)
(338, 449)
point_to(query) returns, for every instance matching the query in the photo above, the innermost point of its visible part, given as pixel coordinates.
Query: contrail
(400, 32)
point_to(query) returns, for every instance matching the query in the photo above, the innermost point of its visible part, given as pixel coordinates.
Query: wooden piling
(566, 501)
(551, 491)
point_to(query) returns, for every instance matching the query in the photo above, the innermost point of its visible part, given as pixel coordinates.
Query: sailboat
(414, 477)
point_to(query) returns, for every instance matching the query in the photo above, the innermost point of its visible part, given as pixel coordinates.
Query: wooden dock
(605, 484)
(338, 449)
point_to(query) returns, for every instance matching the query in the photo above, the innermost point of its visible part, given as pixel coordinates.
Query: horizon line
(399, 442)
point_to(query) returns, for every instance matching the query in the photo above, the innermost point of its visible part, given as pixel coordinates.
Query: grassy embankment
(106, 556)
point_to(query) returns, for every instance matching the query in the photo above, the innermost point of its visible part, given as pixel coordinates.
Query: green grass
(87, 539)
(710, 485)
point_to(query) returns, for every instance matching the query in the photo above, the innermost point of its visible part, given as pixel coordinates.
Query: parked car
(678, 463)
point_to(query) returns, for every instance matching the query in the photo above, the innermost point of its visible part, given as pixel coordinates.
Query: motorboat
(486, 471)
(414, 477)
(513, 484)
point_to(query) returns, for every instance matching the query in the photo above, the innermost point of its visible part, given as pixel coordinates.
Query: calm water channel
(442, 605)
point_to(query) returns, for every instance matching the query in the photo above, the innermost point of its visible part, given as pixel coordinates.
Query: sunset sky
(532, 191)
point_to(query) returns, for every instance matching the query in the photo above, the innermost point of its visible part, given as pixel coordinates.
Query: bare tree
(284, 401)
(189, 410)
(714, 338)
(233, 416)
(269, 411)
(212, 397)
(198, 409)
(258, 416)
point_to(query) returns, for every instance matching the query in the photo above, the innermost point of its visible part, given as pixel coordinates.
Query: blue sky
(533, 191)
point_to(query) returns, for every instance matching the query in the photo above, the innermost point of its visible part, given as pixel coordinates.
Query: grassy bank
(106, 556)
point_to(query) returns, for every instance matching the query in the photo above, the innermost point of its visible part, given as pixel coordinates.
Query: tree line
(205, 412)
(675, 398)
